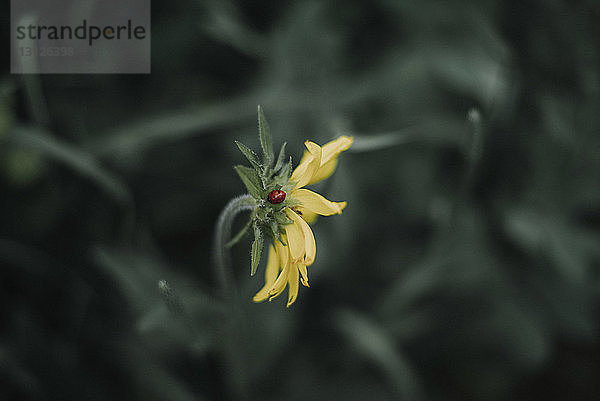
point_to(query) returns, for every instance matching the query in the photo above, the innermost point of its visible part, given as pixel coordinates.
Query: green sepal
(288, 186)
(280, 158)
(263, 214)
(239, 235)
(266, 143)
(251, 156)
(251, 181)
(257, 246)
(282, 219)
(284, 175)
(291, 202)
(275, 231)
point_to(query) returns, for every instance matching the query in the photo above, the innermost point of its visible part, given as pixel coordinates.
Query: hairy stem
(222, 235)
(234, 351)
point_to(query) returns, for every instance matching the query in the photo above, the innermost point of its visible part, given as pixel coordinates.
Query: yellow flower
(286, 264)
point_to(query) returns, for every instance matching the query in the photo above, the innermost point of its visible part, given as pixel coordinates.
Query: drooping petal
(282, 279)
(295, 237)
(334, 148)
(270, 275)
(306, 157)
(329, 154)
(300, 170)
(306, 214)
(307, 169)
(310, 247)
(293, 285)
(283, 252)
(325, 171)
(329, 159)
(303, 274)
(316, 203)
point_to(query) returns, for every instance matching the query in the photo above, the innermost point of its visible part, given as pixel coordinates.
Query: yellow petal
(303, 275)
(284, 260)
(334, 148)
(325, 171)
(310, 247)
(293, 285)
(295, 237)
(306, 170)
(305, 158)
(300, 170)
(316, 203)
(270, 275)
(306, 214)
(283, 252)
(329, 154)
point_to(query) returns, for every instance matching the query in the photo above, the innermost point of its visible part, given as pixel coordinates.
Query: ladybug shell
(276, 196)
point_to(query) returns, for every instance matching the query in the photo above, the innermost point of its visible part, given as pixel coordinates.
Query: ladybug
(276, 196)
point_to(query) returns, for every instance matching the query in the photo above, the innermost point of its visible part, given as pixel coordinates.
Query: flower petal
(295, 237)
(305, 171)
(300, 170)
(270, 275)
(307, 215)
(303, 274)
(329, 155)
(310, 247)
(332, 149)
(293, 285)
(325, 171)
(284, 260)
(316, 203)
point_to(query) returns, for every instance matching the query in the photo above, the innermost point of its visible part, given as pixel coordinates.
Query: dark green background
(466, 265)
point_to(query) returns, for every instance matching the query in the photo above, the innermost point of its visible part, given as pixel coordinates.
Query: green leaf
(239, 235)
(251, 156)
(286, 171)
(265, 138)
(280, 158)
(257, 246)
(250, 180)
(284, 175)
(275, 230)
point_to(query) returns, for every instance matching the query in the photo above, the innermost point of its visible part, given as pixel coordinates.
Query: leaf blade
(250, 155)
(284, 175)
(257, 246)
(264, 132)
(250, 180)
(280, 158)
(275, 230)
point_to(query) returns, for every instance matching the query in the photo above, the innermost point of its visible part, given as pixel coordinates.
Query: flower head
(284, 207)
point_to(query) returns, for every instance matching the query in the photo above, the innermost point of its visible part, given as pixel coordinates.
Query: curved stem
(234, 350)
(222, 234)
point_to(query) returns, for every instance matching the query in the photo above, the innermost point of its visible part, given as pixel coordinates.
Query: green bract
(260, 179)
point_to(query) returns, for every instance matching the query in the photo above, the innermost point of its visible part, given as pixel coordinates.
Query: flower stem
(222, 235)
(233, 351)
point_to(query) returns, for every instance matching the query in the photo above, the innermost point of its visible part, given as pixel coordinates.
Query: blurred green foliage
(466, 265)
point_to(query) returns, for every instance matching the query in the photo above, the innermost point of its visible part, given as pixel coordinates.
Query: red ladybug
(276, 196)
